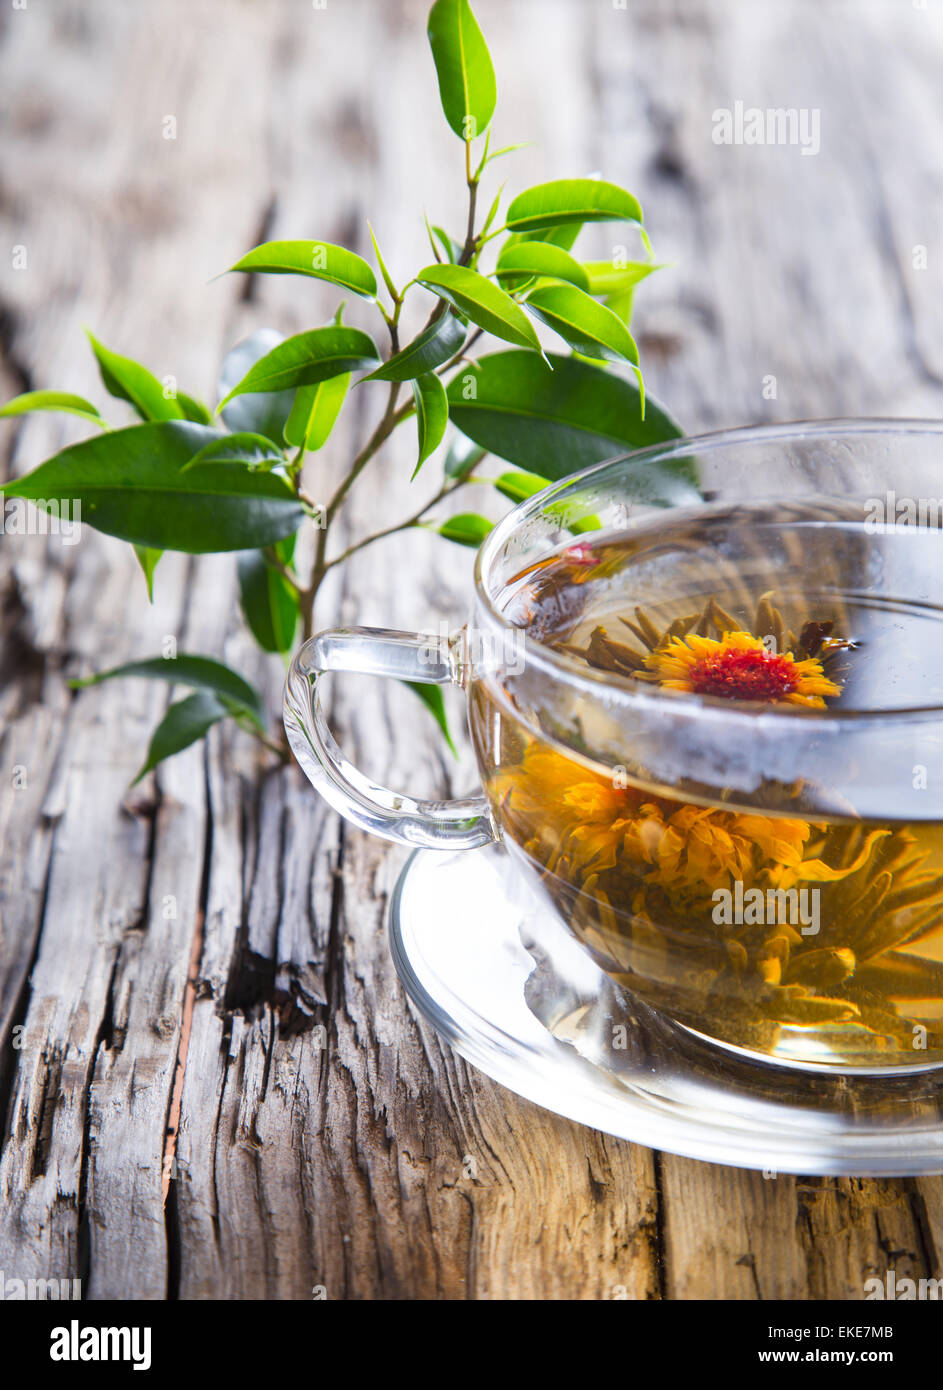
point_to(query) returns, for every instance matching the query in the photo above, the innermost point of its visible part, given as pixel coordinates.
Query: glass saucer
(502, 981)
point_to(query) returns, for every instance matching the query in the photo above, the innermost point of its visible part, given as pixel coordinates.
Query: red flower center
(736, 674)
(580, 555)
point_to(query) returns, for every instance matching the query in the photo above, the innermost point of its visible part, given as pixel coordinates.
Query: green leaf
(621, 304)
(563, 235)
(484, 155)
(506, 149)
(520, 486)
(572, 200)
(897, 973)
(198, 672)
(466, 529)
(439, 341)
(268, 601)
(183, 724)
(255, 450)
(54, 400)
(130, 381)
(432, 240)
(555, 423)
(572, 515)
(147, 559)
(432, 414)
(492, 212)
(262, 412)
(467, 85)
(540, 258)
(434, 701)
(308, 358)
(315, 411)
(387, 278)
(611, 277)
(462, 456)
(453, 251)
(319, 259)
(133, 484)
(484, 303)
(584, 323)
(194, 409)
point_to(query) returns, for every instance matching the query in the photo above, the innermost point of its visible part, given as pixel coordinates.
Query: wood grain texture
(208, 954)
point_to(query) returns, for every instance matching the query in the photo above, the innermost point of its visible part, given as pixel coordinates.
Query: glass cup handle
(408, 656)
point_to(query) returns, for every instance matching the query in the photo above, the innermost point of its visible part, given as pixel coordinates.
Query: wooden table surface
(172, 953)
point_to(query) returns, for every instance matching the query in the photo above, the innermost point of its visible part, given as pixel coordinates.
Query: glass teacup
(705, 692)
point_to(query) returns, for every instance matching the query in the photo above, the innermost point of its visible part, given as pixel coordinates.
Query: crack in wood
(12, 361)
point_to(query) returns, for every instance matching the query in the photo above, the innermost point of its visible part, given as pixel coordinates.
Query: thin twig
(453, 361)
(445, 491)
(287, 573)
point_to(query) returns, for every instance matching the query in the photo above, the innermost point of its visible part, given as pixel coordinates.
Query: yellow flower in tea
(594, 814)
(580, 824)
(640, 873)
(701, 847)
(739, 667)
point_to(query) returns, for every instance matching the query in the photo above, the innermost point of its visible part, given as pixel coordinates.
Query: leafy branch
(233, 479)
